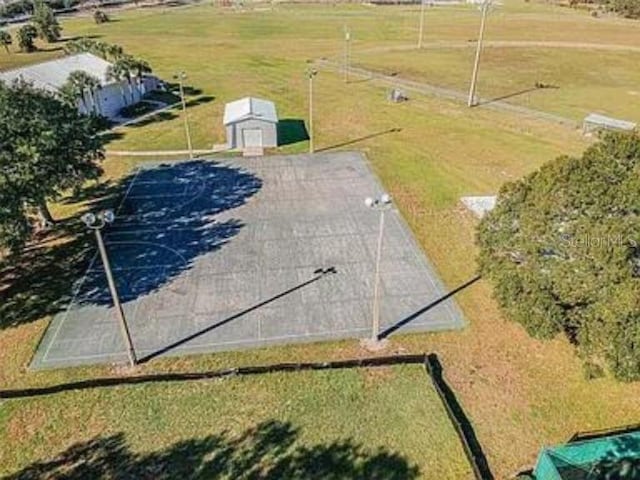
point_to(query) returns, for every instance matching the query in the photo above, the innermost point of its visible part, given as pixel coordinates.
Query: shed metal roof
(597, 119)
(53, 74)
(250, 108)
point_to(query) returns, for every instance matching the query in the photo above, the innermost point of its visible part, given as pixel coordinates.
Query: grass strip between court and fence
(431, 363)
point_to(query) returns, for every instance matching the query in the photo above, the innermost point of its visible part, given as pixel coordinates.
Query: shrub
(100, 17)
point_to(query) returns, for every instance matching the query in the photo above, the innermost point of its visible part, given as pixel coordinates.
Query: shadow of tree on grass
(39, 281)
(269, 451)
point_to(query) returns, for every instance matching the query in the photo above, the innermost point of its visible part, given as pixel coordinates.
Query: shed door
(252, 137)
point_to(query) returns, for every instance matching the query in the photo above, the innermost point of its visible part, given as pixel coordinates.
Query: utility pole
(181, 77)
(311, 74)
(375, 323)
(347, 53)
(476, 64)
(381, 204)
(97, 223)
(421, 34)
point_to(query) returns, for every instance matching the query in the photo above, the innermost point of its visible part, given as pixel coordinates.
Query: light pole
(476, 64)
(311, 74)
(181, 76)
(421, 34)
(381, 204)
(347, 53)
(97, 223)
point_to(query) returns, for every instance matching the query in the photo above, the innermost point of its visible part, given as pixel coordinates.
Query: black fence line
(212, 374)
(460, 421)
(604, 432)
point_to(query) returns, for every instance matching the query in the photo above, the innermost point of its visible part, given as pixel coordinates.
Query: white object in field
(595, 121)
(397, 96)
(480, 205)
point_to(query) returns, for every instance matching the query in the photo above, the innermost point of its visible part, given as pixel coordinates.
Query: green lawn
(520, 393)
(364, 423)
(580, 81)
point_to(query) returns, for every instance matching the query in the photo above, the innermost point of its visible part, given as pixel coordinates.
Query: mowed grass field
(520, 393)
(369, 423)
(577, 81)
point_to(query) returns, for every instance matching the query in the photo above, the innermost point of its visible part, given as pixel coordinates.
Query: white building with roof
(108, 99)
(251, 123)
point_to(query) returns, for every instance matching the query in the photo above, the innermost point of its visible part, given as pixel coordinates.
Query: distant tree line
(562, 250)
(43, 25)
(19, 8)
(624, 8)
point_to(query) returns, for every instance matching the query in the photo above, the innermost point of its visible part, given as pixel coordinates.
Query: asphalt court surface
(247, 252)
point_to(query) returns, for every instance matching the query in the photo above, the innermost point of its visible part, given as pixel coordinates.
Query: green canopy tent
(614, 457)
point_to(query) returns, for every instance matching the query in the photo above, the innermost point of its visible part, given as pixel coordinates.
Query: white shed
(251, 123)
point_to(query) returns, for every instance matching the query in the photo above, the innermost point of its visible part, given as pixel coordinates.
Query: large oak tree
(562, 249)
(46, 149)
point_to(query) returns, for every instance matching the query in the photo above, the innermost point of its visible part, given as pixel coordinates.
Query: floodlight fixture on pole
(421, 34)
(311, 73)
(181, 77)
(97, 222)
(347, 53)
(476, 64)
(381, 204)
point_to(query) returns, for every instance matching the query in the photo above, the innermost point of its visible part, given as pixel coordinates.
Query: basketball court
(247, 252)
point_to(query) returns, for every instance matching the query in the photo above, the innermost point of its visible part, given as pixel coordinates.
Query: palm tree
(96, 47)
(130, 67)
(141, 67)
(101, 49)
(81, 45)
(77, 85)
(5, 40)
(118, 72)
(87, 83)
(112, 52)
